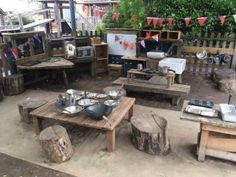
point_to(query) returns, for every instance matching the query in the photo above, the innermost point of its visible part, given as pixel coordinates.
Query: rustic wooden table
(61, 65)
(47, 112)
(169, 77)
(217, 138)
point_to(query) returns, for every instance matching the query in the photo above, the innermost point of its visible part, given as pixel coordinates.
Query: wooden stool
(27, 106)
(149, 134)
(114, 70)
(13, 85)
(56, 143)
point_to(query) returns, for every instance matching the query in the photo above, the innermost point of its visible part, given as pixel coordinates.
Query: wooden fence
(212, 43)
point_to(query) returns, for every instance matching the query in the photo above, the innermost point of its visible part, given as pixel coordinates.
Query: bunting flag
(155, 22)
(148, 35)
(156, 37)
(202, 21)
(222, 19)
(170, 21)
(143, 43)
(84, 8)
(161, 20)
(125, 45)
(101, 13)
(187, 21)
(115, 16)
(149, 20)
(117, 38)
(135, 18)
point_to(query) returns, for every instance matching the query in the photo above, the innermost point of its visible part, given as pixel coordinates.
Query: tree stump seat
(225, 79)
(149, 134)
(13, 85)
(27, 106)
(56, 143)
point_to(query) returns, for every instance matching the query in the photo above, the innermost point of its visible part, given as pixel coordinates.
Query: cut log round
(56, 144)
(224, 73)
(226, 85)
(149, 134)
(13, 85)
(27, 106)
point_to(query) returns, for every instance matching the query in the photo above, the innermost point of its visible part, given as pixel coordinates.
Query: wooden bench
(176, 91)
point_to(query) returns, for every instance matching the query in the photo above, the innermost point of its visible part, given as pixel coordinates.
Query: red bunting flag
(84, 8)
(115, 16)
(170, 21)
(161, 20)
(155, 22)
(149, 20)
(202, 21)
(187, 21)
(148, 35)
(222, 19)
(101, 13)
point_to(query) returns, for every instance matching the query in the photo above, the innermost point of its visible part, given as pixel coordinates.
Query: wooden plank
(202, 145)
(61, 64)
(175, 90)
(220, 129)
(225, 143)
(211, 50)
(221, 154)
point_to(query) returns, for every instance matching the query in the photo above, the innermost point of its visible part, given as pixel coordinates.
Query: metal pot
(164, 69)
(156, 55)
(201, 55)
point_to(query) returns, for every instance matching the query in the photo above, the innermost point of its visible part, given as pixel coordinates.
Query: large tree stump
(27, 106)
(13, 85)
(225, 79)
(56, 143)
(149, 134)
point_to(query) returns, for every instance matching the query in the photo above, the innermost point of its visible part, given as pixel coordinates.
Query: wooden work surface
(175, 89)
(134, 58)
(205, 120)
(217, 138)
(61, 64)
(48, 111)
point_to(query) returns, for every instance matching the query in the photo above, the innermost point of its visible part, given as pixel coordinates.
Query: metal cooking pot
(201, 55)
(156, 55)
(98, 111)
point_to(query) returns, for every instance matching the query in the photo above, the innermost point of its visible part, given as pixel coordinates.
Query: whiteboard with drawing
(122, 44)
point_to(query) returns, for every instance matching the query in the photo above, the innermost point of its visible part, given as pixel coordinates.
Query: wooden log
(149, 134)
(13, 85)
(27, 106)
(56, 144)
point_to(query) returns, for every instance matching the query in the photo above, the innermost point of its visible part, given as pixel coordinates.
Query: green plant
(178, 10)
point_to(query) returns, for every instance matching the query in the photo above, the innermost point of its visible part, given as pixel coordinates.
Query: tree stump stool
(56, 144)
(225, 79)
(13, 85)
(149, 134)
(27, 106)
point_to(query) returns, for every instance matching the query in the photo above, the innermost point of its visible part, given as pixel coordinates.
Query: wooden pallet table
(176, 91)
(47, 112)
(155, 78)
(217, 138)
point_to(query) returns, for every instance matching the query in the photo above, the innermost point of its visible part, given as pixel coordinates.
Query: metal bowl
(87, 102)
(91, 95)
(201, 55)
(114, 94)
(72, 92)
(111, 103)
(71, 110)
(101, 96)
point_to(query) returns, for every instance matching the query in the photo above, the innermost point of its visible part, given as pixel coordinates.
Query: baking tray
(202, 111)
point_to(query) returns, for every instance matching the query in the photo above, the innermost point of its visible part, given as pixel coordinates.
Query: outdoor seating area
(134, 89)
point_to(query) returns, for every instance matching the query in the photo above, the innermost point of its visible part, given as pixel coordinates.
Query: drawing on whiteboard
(122, 44)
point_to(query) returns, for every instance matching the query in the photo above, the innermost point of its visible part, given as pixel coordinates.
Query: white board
(121, 44)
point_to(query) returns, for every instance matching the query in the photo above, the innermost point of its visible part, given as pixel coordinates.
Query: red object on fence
(155, 22)
(148, 35)
(101, 13)
(202, 21)
(222, 19)
(149, 20)
(115, 16)
(170, 21)
(187, 21)
(161, 20)
(84, 8)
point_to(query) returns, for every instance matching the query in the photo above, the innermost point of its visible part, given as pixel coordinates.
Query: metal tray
(70, 110)
(202, 111)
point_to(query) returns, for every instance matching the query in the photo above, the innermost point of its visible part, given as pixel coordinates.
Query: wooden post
(111, 140)
(202, 145)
